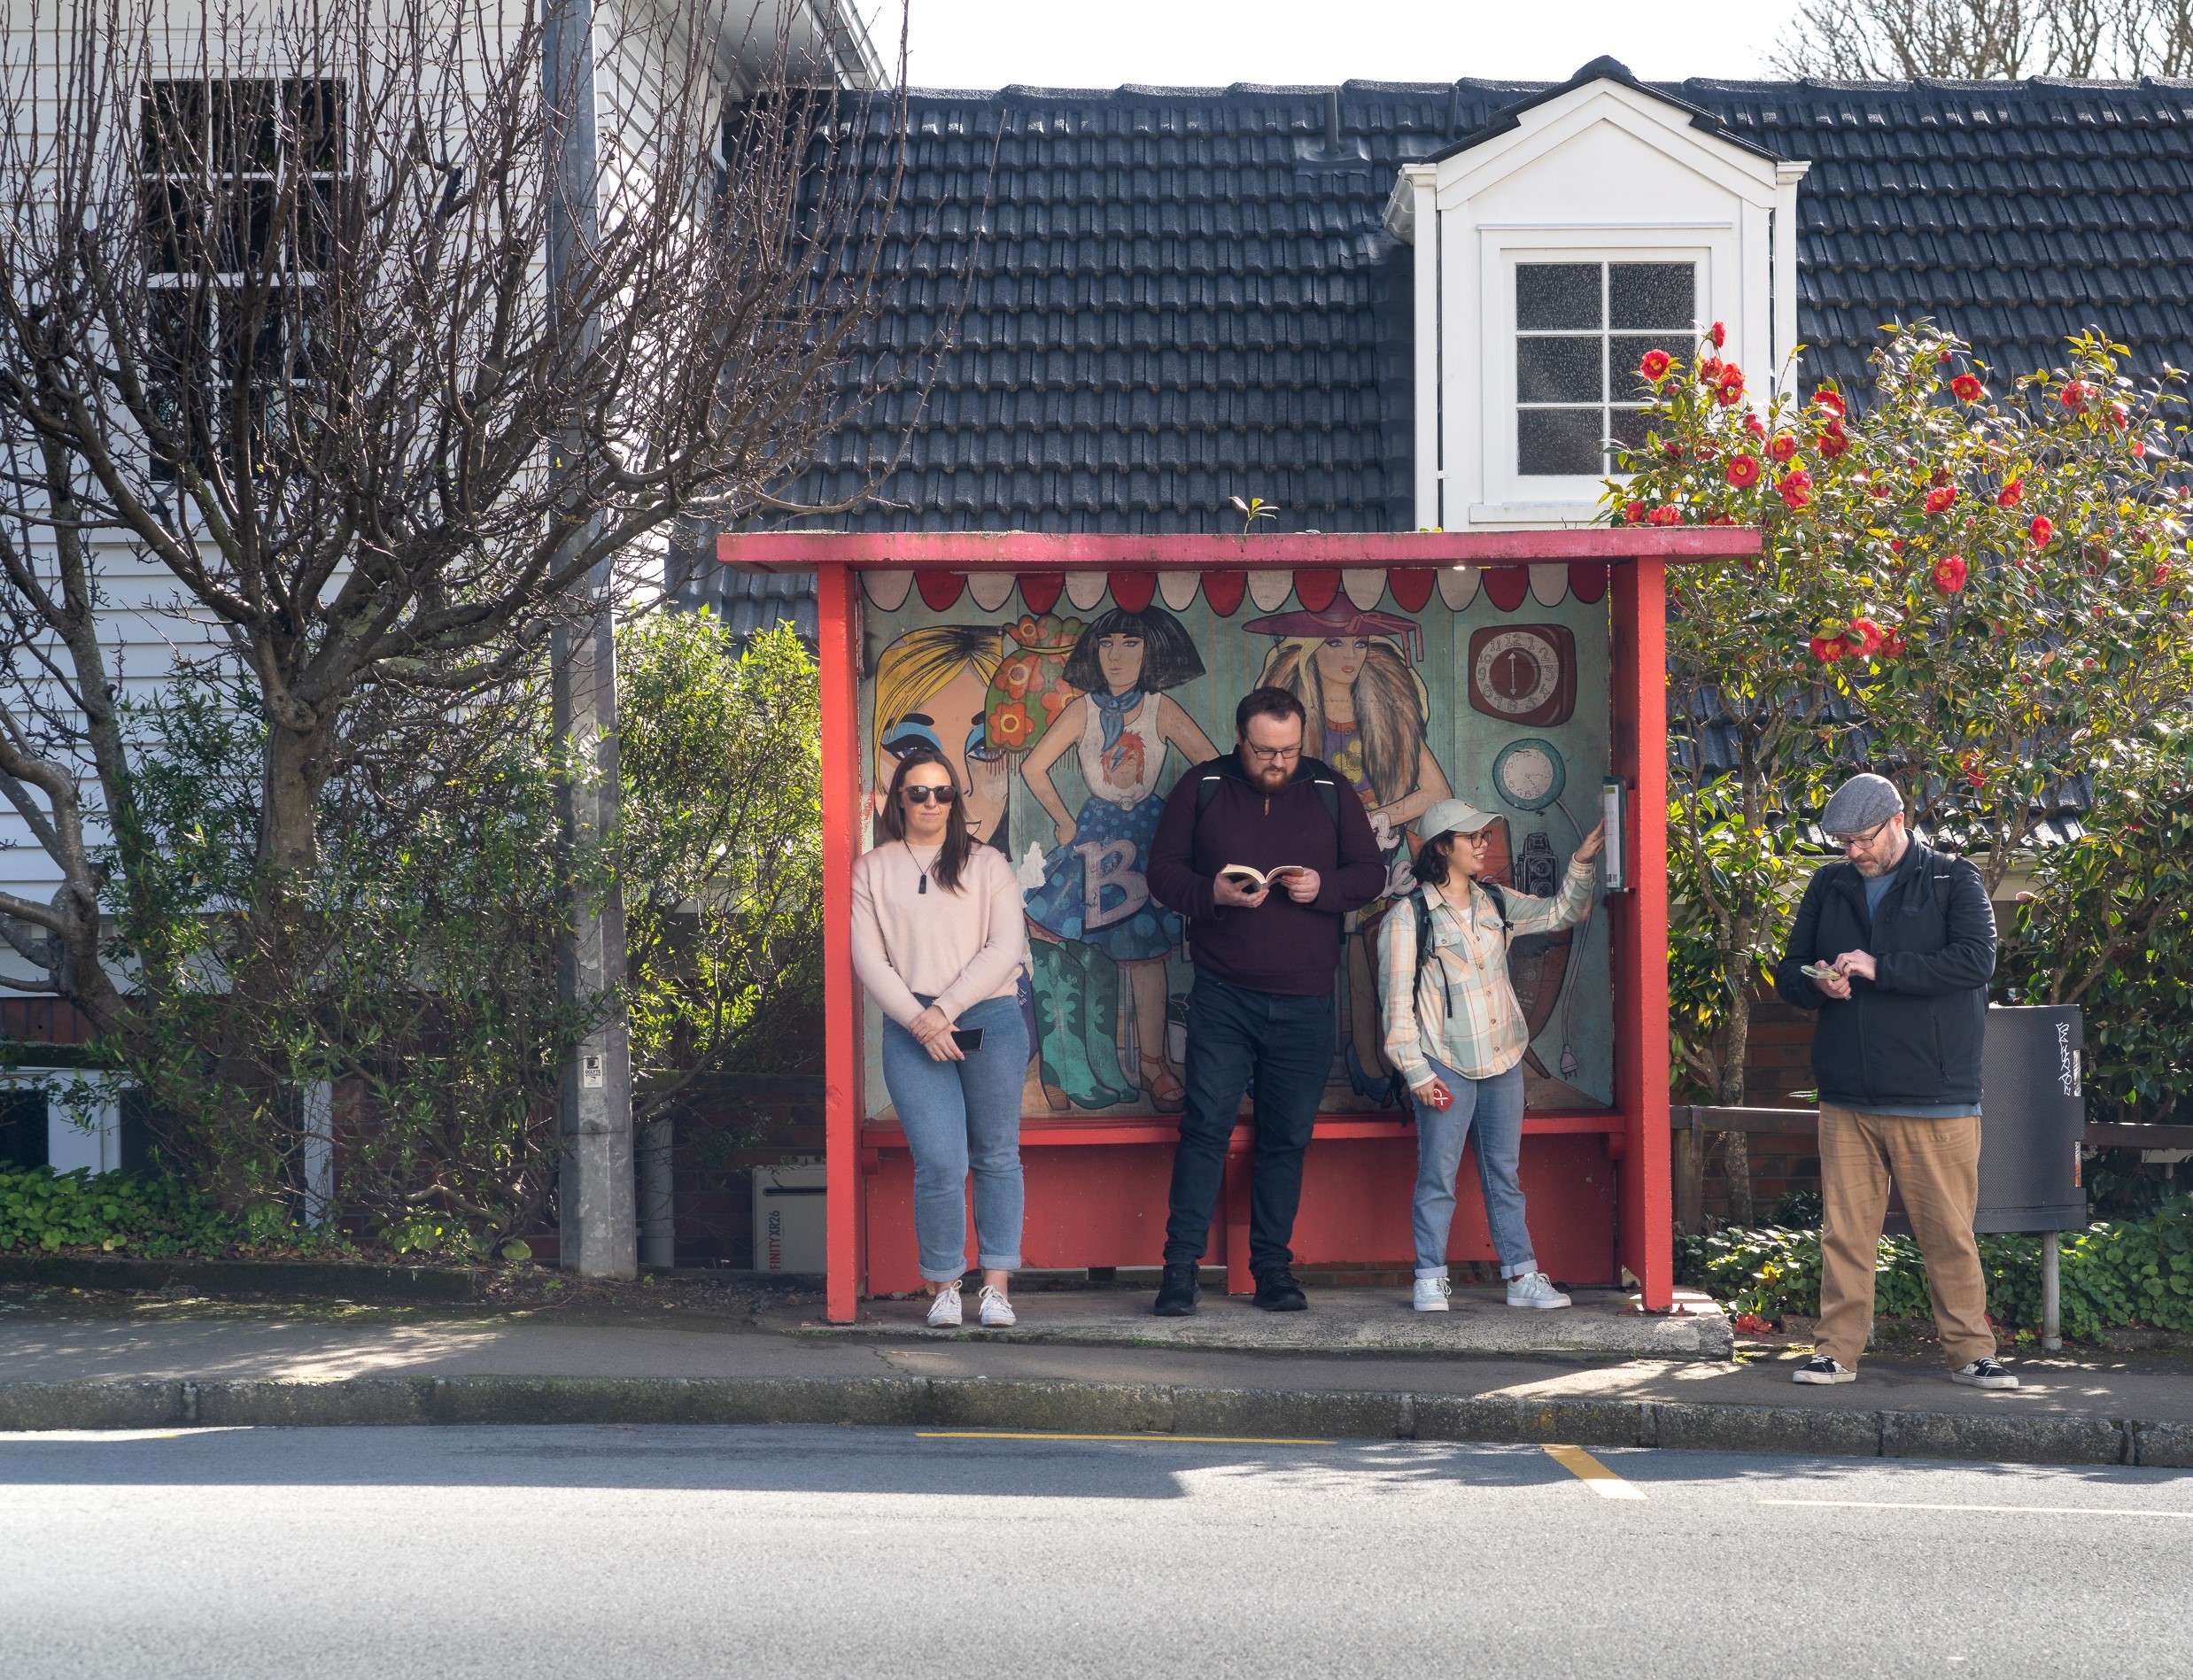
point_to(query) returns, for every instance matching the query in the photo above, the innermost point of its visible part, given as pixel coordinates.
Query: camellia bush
(1975, 584)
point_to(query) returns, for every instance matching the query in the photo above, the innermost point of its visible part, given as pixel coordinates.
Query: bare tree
(273, 326)
(1987, 40)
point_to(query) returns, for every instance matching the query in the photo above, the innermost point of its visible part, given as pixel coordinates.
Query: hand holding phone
(1436, 1096)
(968, 1038)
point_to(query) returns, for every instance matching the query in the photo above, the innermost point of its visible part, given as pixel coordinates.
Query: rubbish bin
(2035, 1118)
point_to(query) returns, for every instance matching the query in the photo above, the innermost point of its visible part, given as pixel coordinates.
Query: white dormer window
(1581, 329)
(1577, 230)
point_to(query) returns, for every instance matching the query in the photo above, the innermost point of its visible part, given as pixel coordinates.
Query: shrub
(42, 1209)
(2135, 1272)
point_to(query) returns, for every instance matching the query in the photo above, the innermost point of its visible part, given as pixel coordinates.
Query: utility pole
(595, 1192)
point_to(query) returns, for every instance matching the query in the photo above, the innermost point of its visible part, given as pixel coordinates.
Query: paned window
(1581, 328)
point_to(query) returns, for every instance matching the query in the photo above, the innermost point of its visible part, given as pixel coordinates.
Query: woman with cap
(1366, 708)
(1456, 1033)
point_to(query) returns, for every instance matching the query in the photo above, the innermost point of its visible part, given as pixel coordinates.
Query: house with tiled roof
(1381, 306)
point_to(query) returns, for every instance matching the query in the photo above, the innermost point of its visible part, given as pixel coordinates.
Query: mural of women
(1094, 891)
(1353, 670)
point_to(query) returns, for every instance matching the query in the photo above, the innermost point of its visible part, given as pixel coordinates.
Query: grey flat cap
(1866, 801)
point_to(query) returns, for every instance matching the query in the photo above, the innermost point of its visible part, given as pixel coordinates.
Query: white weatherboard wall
(1600, 172)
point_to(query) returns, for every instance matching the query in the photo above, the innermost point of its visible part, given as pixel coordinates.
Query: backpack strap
(1499, 904)
(1327, 794)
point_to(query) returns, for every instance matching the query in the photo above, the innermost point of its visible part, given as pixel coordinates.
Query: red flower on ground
(1795, 488)
(1634, 513)
(1782, 445)
(1967, 387)
(1834, 440)
(1938, 500)
(2011, 494)
(2041, 530)
(1718, 334)
(1655, 364)
(2076, 395)
(1949, 572)
(1829, 401)
(1743, 471)
(1666, 514)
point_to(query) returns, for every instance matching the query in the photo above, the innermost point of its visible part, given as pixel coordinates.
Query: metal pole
(2051, 1293)
(596, 1192)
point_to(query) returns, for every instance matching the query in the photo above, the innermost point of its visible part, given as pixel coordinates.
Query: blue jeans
(1494, 1107)
(957, 1117)
(1286, 1043)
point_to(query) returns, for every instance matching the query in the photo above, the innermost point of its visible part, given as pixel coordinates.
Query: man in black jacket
(1894, 947)
(1265, 954)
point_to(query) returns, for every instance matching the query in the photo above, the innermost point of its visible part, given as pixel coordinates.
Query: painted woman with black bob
(939, 942)
(1094, 889)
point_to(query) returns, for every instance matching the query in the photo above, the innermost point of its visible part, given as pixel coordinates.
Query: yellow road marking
(1063, 1435)
(2012, 1510)
(1593, 1474)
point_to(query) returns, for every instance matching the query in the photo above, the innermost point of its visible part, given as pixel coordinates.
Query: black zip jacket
(1279, 946)
(1912, 1035)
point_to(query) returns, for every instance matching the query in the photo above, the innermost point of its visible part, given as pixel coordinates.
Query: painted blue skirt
(1060, 905)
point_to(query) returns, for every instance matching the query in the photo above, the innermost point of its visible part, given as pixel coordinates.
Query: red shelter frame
(1609, 1210)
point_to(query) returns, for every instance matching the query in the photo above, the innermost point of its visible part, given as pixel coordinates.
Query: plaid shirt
(1464, 1011)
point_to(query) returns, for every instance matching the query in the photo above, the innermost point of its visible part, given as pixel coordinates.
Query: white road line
(35, 1437)
(2003, 1509)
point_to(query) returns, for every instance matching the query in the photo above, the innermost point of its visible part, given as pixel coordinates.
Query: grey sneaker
(944, 1310)
(1534, 1288)
(1431, 1295)
(1984, 1373)
(1821, 1369)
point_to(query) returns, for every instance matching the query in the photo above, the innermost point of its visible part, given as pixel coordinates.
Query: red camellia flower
(1718, 334)
(2119, 417)
(1829, 401)
(2041, 530)
(1895, 544)
(1743, 471)
(1795, 488)
(1672, 449)
(1709, 369)
(1967, 387)
(1869, 636)
(1782, 446)
(1755, 426)
(1634, 513)
(1728, 389)
(1834, 440)
(1730, 519)
(1975, 773)
(2076, 395)
(2011, 494)
(1666, 514)
(1949, 572)
(1895, 646)
(1938, 500)
(2138, 448)
(1828, 649)
(1655, 364)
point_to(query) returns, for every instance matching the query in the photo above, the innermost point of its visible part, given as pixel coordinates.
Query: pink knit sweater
(958, 947)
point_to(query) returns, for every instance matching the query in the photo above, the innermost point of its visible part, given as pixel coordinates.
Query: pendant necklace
(919, 865)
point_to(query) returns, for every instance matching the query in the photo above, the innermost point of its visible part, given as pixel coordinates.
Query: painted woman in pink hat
(1353, 670)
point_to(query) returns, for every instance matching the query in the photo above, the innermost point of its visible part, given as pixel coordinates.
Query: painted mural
(1069, 707)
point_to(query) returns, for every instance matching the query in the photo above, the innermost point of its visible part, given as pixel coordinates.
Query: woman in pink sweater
(940, 941)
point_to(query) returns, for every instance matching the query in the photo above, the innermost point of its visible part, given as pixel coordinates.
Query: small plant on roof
(1255, 508)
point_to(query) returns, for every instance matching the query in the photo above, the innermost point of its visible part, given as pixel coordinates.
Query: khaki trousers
(1936, 1164)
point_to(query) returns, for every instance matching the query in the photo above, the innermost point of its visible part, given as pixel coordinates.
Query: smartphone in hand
(1820, 971)
(1439, 1096)
(968, 1038)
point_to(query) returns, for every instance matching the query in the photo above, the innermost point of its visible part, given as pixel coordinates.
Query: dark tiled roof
(1184, 294)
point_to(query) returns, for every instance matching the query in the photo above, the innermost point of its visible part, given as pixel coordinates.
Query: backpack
(1397, 1093)
(1327, 791)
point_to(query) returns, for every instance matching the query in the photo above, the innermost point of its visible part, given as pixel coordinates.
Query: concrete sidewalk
(158, 1366)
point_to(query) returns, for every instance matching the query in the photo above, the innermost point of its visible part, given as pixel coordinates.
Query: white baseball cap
(1453, 816)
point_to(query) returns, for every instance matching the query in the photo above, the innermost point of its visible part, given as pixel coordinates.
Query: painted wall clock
(1530, 774)
(1523, 674)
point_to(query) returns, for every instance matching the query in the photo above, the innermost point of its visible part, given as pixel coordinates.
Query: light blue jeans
(1494, 1108)
(960, 1117)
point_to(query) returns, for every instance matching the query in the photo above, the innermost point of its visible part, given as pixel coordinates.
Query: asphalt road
(634, 1554)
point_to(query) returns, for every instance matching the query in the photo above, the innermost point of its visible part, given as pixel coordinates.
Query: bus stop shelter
(1523, 671)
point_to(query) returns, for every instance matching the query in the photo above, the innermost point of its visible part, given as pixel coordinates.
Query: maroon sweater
(1279, 946)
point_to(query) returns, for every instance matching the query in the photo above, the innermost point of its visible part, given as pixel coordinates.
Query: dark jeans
(1287, 1043)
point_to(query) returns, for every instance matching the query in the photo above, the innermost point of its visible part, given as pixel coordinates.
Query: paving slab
(1338, 1320)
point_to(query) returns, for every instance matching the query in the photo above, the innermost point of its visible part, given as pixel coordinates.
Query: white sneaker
(1534, 1288)
(1431, 1295)
(997, 1312)
(944, 1311)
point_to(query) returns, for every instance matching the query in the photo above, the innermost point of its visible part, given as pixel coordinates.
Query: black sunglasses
(943, 796)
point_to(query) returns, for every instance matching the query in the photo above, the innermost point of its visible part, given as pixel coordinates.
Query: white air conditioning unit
(790, 1234)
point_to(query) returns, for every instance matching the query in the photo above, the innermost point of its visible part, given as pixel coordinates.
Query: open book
(1242, 875)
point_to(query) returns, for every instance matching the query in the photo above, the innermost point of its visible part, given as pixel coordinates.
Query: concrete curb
(341, 1279)
(1109, 1408)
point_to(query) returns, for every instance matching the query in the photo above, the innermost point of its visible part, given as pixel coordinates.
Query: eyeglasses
(1479, 837)
(1272, 755)
(943, 796)
(1846, 842)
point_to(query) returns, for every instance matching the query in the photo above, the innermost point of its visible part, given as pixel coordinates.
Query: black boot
(1179, 1292)
(1278, 1292)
